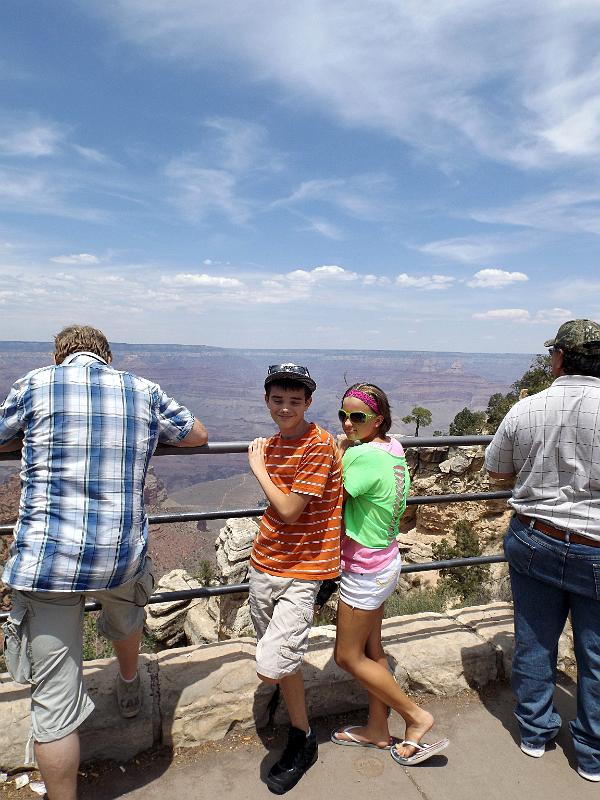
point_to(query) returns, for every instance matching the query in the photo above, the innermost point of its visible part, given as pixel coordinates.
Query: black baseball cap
(290, 372)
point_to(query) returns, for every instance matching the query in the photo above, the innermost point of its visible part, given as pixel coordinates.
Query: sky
(389, 174)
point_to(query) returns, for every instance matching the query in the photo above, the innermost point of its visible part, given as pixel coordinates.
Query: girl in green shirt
(376, 483)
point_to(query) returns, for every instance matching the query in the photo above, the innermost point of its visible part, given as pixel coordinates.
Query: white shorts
(369, 590)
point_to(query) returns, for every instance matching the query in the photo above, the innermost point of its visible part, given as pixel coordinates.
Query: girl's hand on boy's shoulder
(343, 443)
(256, 454)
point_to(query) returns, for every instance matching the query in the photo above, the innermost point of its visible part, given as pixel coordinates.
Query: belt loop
(532, 524)
(567, 537)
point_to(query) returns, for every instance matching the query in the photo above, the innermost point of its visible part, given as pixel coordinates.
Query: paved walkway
(483, 762)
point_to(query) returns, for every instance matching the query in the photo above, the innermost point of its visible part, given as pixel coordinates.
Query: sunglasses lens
(355, 417)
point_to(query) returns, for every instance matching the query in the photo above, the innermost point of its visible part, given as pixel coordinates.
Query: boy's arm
(288, 506)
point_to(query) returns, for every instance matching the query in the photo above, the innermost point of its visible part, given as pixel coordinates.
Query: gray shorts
(43, 639)
(282, 613)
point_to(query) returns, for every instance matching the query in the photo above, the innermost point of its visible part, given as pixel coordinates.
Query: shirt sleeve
(499, 452)
(315, 466)
(10, 416)
(358, 478)
(174, 420)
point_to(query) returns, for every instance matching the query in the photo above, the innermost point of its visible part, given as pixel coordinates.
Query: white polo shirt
(551, 440)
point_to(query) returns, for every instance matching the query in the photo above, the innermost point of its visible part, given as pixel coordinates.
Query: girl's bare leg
(358, 650)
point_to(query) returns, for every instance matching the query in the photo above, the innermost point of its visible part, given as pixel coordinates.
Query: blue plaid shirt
(89, 432)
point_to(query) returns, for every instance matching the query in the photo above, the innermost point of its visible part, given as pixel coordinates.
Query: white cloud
(556, 315)
(567, 211)
(27, 137)
(364, 197)
(321, 273)
(325, 228)
(79, 258)
(436, 74)
(475, 249)
(91, 154)
(515, 314)
(195, 279)
(35, 192)
(199, 192)
(426, 282)
(376, 280)
(495, 279)
(241, 146)
(553, 316)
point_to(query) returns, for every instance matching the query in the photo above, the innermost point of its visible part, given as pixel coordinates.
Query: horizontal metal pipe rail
(196, 516)
(242, 588)
(218, 448)
(242, 447)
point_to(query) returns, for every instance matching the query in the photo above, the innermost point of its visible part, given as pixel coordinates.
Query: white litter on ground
(21, 780)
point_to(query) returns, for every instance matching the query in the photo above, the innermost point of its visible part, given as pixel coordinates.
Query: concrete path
(483, 762)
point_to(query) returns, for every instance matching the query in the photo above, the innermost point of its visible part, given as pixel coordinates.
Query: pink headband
(366, 399)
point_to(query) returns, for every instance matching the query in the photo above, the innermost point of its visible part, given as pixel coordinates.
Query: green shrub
(94, 645)
(416, 601)
(149, 643)
(205, 572)
(467, 583)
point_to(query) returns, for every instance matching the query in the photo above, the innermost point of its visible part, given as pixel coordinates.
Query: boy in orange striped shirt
(297, 547)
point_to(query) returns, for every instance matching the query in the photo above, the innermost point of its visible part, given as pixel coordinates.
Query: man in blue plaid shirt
(88, 432)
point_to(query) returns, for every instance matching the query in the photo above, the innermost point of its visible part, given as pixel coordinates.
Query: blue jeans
(549, 579)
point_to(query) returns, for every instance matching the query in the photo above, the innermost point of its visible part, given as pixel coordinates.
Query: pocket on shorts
(299, 635)
(16, 647)
(519, 552)
(144, 585)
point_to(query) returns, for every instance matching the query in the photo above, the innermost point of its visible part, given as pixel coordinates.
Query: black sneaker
(299, 755)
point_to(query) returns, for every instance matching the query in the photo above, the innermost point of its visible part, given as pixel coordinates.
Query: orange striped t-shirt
(309, 548)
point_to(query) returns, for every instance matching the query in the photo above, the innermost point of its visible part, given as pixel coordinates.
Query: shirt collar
(578, 380)
(83, 357)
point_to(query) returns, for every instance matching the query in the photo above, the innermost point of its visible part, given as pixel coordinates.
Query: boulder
(165, 621)
(436, 654)
(207, 691)
(201, 624)
(233, 545)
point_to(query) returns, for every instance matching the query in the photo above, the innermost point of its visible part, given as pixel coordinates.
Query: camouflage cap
(577, 336)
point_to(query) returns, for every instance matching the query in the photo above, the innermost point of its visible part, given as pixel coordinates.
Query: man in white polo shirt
(549, 445)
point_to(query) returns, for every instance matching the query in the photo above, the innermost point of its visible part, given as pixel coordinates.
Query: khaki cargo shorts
(282, 613)
(43, 639)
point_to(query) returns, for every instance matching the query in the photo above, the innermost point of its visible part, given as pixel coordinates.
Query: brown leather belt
(557, 533)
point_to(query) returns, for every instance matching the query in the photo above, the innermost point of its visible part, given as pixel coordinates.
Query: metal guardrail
(195, 516)
(241, 447)
(242, 588)
(218, 448)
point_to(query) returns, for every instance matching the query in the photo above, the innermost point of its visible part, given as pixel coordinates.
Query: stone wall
(195, 694)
